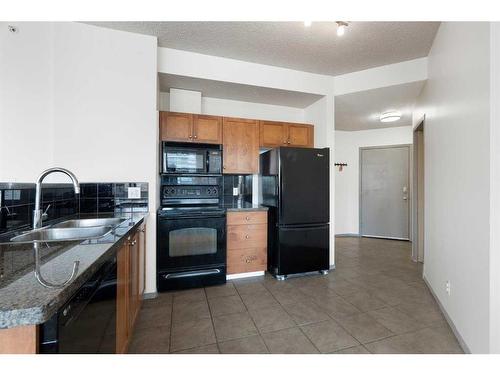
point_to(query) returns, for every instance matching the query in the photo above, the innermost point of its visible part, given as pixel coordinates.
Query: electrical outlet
(236, 191)
(448, 287)
(134, 192)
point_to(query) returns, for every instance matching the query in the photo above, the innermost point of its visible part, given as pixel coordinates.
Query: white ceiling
(315, 49)
(361, 110)
(235, 91)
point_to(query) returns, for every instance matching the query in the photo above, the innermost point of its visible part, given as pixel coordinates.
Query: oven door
(184, 160)
(191, 242)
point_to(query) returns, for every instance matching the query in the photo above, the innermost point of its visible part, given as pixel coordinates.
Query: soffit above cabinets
(362, 110)
(315, 49)
(236, 91)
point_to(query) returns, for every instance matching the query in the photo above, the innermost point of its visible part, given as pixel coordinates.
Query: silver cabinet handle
(247, 218)
(247, 236)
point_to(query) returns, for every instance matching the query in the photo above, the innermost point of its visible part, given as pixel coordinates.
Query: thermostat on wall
(134, 192)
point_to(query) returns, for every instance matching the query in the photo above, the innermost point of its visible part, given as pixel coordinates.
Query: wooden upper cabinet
(207, 129)
(241, 146)
(188, 127)
(272, 134)
(300, 135)
(176, 126)
(276, 134)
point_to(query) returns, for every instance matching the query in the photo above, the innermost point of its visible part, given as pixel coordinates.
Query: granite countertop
(24, 301)
(236, 205)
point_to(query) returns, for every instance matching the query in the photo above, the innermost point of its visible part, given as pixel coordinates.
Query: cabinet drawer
(248, 260)
(247, 217)
(246, 236)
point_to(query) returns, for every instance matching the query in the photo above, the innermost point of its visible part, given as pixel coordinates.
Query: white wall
(100, 88)
(495, 189)
(238, 108)
(347, 145)
(105, 111)
(455, 102)
(25, 101)
(319, 114)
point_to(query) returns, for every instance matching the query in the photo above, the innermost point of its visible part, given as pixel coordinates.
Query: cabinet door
(241, 146)
(122, 299)
(176, 126)
(207, 129)
(300, 135)
(272, 134)
(142, 261)
(134, 280)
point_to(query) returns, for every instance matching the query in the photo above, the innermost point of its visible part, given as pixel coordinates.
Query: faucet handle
(44, 215)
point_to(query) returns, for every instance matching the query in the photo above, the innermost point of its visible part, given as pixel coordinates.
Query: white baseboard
(460, 340)
(245, 274)
(150, 295)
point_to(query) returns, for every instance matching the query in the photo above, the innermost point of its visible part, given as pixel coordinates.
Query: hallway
(374, 302)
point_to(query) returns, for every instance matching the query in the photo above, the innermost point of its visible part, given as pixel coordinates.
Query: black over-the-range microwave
(182, 158)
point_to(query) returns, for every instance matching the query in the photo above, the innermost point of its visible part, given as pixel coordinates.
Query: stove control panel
(190, 191)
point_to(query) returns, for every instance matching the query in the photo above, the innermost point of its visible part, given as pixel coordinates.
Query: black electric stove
(191, 241)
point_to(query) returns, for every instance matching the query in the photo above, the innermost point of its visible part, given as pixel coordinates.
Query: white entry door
(384, 192)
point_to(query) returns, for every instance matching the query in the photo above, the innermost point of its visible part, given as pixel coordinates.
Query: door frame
(410, 188)
(417, 241)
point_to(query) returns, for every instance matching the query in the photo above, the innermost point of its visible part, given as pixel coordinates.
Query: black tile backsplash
(88, 205)
(17, 201)
(230, 181)
(88, 190)
(105, 190)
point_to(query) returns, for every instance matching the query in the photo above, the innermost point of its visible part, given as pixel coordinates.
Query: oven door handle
(180, 275)
(191, 217)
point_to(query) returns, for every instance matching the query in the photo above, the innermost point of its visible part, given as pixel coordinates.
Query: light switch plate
(134, 192)
(235, 191)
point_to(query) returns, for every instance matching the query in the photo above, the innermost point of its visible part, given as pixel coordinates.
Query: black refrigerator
(295, 185)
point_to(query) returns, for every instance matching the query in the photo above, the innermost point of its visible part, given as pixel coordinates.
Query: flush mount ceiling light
(390, 116)
(341, 26)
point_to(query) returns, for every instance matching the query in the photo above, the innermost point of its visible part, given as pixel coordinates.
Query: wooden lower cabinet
(130, 287)
(247, 260)
(246, 241)
(19, 340)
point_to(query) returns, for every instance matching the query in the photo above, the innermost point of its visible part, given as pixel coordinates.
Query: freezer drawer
(301, 249)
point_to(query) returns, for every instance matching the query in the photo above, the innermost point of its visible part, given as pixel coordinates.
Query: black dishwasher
(86, 324)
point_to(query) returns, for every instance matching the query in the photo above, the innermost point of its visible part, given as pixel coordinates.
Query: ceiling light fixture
(307, 23)
(390, 116)
(341, 26)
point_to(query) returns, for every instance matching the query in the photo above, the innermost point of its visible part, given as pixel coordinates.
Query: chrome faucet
(37, 213)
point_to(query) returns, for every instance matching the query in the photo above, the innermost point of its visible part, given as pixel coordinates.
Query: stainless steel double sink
(71, 230)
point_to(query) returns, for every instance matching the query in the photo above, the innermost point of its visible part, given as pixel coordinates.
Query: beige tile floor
(374, 302)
